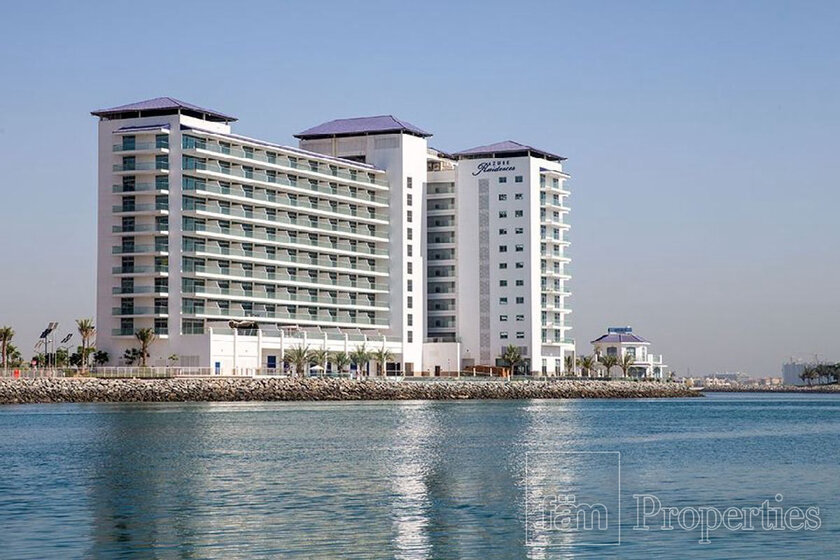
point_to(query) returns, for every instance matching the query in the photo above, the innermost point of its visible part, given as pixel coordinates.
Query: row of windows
(518, 248)
(503, 266)
(516, 213)
(516, 179)
(504, 318)
(518, 231)
(516, 196)
(504, 335)
(504, 300)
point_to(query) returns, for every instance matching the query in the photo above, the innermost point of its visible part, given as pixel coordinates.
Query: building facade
(622, 341)
(233, 249)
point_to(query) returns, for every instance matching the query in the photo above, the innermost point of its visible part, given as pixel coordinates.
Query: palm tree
(86, 331)
(586, 364)
(807, 375)
(360, 356)
(609, 362)
(569, 363)
(299, 357)
(341, 360)
(6, 336)
(320, 357)
(146, 337)
(15, 358)
(512, 356)
(382, 357)
(625, 363)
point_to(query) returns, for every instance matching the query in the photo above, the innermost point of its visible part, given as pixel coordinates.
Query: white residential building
(511, 238)
(621, 341)
(233, 249)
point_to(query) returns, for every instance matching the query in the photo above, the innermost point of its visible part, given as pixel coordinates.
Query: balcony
(136, 290)
(300, 164)
(129, 208)
(136, 311)
(160, 147)
(303, 240)
(139, 250)
(139, 269)
(139, 188)
(141, 166)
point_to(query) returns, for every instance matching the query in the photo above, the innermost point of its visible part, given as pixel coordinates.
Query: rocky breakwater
(78, 390)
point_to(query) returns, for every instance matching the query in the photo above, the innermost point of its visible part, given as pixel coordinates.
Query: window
(192, 326)
(502, 231)
(503, 214)
(408, 182)
(410, 320)
(409, 216)
(502, 266)
(503, 248)
(408, 199)
(520, 334)
(518, 196)
(409, 250)
(410, 286)
(503, 335)
(502, 197)
(410, 267)
(520, 282)
(410, 302)
(520, 317)
(503, 179)
(518, 213)
(502, 283)
(503, 300)
(519, 248)
(520, 299)
(520, 265)
(517, 179)
(503, 318)
(409, 234)
(410, 337)
(519, 230)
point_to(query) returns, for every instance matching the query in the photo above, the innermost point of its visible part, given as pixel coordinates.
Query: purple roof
(618, 338)
(507, 147)
(161, 104)
(381, 124)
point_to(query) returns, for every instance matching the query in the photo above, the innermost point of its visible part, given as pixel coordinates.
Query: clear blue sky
(699, 135)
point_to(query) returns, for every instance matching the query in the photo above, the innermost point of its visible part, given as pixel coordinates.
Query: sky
(701, 139)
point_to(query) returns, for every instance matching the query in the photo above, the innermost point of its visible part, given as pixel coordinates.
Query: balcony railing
(142, 166)
(299, 164)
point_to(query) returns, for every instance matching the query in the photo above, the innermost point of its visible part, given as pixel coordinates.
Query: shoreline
(87, 390)
(833, 388)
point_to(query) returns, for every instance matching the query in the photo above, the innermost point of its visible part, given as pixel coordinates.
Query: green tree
(146, 337)
(625, 363)
(101, 357)
(382, 357)
(609, 362)
(86, 331)
(512, 356)
(360, 357)
(320, 356)
(6, 336)
(586, 364)
(341, 360)
(299, 357)
(13, 355)
(131, 356)
(569, 364)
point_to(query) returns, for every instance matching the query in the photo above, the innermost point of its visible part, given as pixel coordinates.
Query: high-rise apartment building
(234, 249)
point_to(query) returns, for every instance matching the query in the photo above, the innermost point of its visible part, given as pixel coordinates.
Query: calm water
(403, 480)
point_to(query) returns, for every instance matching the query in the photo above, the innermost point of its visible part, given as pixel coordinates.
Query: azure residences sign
(494, 166)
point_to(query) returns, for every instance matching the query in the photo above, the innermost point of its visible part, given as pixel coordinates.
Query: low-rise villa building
(620, 342)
